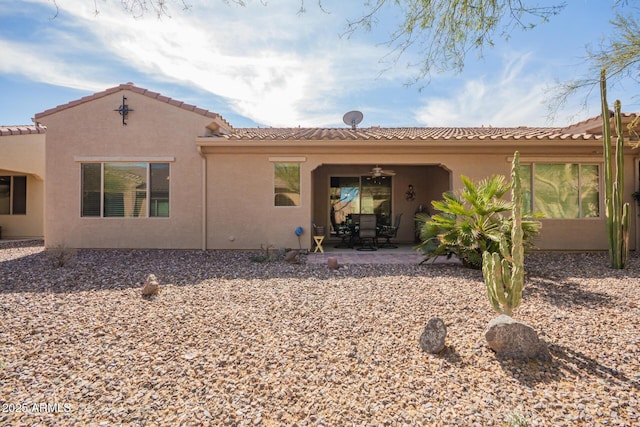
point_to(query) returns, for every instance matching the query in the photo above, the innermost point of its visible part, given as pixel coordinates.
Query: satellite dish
(352, 118)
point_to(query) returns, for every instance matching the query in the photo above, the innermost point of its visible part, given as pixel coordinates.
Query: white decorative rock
(151, 286)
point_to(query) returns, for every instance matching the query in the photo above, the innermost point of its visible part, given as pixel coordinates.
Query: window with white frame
(13, 195)
(125, 189)
(561, 190)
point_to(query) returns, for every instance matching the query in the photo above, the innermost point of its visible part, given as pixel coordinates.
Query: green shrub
(60, 255)
(267, 254)
(471, 221)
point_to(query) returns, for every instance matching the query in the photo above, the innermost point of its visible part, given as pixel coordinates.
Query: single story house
(131, 168)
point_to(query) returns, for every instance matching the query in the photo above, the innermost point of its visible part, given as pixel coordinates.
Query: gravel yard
(233, 342)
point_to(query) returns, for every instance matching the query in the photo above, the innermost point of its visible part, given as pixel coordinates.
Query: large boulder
(433, 336)
(516, 340)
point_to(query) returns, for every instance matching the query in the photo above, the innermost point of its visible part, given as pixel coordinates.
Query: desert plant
(503, 271)
(516, 419)
(266, 254)
(471, 222)
(60, 255)
(616, 211)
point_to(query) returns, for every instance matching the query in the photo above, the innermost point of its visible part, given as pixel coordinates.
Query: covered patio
(342, 192)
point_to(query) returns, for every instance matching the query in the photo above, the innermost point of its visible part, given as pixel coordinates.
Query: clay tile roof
(22, 130)
(408, 133)
(594, 124)
(133, 88)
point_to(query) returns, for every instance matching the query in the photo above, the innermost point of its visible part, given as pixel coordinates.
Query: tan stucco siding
(556, 234)
(241, 209)
(242, 215)
(222, 179)
(572, 234)
(93, 131)
(30, 225)
(24, 155)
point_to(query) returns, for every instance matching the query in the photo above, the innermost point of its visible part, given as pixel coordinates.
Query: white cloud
(270, 64)
(42, 66)
(512, 97)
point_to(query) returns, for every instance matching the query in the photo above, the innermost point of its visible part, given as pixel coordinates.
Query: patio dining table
(353, 230)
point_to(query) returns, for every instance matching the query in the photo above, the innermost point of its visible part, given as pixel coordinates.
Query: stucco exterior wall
(240, 193)
(25, 155)
(30, 225)
(93, 131)
(240, 181)
(240, 198)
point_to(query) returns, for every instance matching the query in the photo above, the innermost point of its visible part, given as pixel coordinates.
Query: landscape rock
(151, 286)
(433, 336)
(516, 340)
(332, 263)
(292, 257)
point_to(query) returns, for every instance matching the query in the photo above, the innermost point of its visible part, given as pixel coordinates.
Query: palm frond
(472, 221)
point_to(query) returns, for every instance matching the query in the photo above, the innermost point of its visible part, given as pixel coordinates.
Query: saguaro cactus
(616, 211)
(504, 272)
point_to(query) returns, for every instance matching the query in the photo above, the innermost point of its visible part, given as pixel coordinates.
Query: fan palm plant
(470, 222)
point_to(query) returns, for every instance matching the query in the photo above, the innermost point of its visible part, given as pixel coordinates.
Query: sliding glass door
(359, 194)
(375, 197)
(344, 199)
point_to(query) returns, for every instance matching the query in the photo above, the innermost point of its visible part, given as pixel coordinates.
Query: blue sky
(267, 65)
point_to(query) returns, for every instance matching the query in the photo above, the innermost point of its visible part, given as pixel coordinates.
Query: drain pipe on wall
(204, 198)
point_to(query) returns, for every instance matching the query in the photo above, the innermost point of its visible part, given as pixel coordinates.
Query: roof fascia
(336, 147)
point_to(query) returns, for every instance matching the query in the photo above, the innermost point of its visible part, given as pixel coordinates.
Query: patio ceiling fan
(377, 172)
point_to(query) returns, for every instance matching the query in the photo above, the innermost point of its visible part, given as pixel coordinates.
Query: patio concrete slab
(404, 254)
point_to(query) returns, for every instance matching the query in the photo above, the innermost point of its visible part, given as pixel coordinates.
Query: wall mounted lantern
(410, 194)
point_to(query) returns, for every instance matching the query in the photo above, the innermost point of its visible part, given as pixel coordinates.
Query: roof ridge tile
(22, 130)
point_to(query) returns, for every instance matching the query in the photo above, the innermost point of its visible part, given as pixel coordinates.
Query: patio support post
(204, 199)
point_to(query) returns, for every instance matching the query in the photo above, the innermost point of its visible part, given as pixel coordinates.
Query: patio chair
(390, 232)
(343, 231)
(368, 233)
(353, 223)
